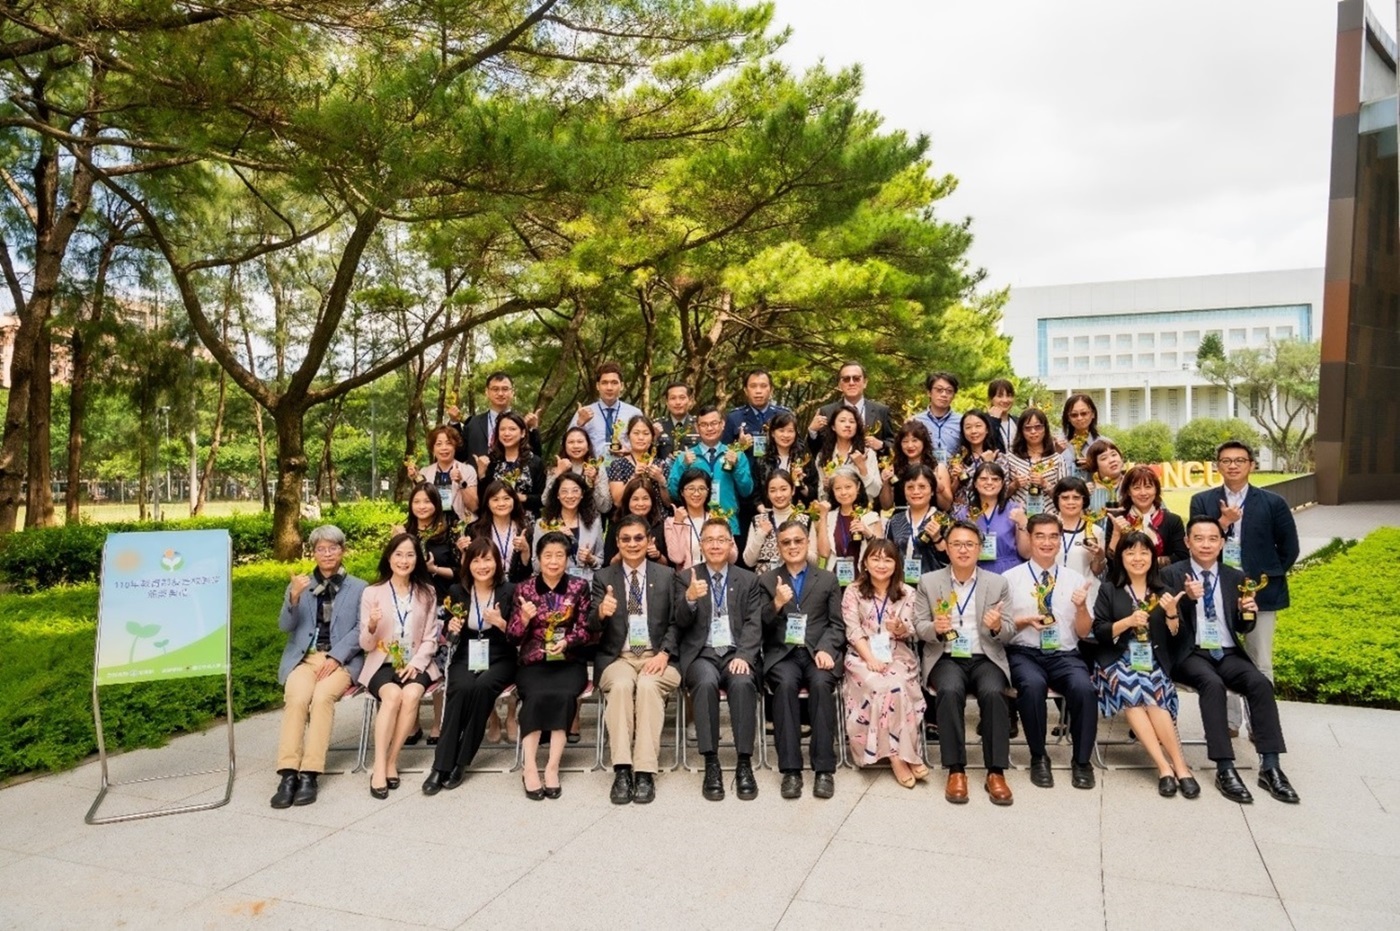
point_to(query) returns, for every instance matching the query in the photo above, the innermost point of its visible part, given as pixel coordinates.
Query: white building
(1131, 345)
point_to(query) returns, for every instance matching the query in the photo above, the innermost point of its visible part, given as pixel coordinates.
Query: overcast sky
(1096, 140)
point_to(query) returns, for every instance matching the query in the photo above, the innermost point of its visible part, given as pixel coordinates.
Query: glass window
(1190, 339)
(1102, 362)
(1081, 344)
(1125, 360)
(1147, 340)
(1168, 340)
(1125, 341)
(1147, 360)
(1260, 335)
(1101, 341)
(1060, 344)
(1236, 337)
(1283, 332)
(1061, 363)
(1169, 360)
(1081, 363)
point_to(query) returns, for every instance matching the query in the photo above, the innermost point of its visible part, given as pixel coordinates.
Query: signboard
(163, 611)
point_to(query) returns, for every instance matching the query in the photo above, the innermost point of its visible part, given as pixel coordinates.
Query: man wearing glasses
(1261, 539)
(944, 426)
(874, 416)
(636, 617)
(321, 616)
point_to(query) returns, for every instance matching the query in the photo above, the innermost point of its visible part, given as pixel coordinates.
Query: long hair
(829, 433)
(1019, 446)
(553, 510)
(783, 419)
(497, 452)
(437, 526)
(480, 546)
(485, 521)
(1093, 429)
(419, 585)
(992, 441)
(886, 546)
(919, 432)
(564, 442)
(660, 501)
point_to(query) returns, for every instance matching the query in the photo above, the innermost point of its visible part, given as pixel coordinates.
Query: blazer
(877, 419)
(1270, 539)
(664, 591)
(498, 647)
(744, 600)
(820, 601)
(421, 627)
(1112, 605)
(1171, 532)
(1174, 578)
(991, 590)
(299, 623)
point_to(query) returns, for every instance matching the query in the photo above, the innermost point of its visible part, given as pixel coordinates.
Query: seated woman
(1131, 630)
(1140, 508)
(482, 665)
(398, 632)
(455, 482)
(549, 625)
(647, 499)
(884, 703)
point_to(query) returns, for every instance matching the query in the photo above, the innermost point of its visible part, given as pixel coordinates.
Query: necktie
(634, 606)
(712, 455)
(609, 418)
(490, 431)
(1215, 652)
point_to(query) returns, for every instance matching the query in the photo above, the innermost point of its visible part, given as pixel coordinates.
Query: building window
(1237, 337)
(1101, 363)
(1191, 339)
(1147, 340)
(1283, 332)
(1081, 344)
(1081, 363)
(1060, 344)
(1260, 336)
(1168, 340)
(1062, 363)
(1101, 341)
(1147, 360)
(1125, 341)
(1125, 360)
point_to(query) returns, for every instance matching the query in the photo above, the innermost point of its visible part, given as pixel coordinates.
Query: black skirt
(549, 692)
(387, 674)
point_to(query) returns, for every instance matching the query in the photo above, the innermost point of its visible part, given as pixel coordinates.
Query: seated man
(1207, 654)
(719, 651)
(321, 615)
(634, 615)
(1049, 608)
(804, 644)
(958, 613)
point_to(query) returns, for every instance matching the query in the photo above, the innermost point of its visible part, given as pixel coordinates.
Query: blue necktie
(1215, 652)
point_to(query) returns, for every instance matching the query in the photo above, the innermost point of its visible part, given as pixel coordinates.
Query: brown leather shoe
(998, 789)
(956, 790)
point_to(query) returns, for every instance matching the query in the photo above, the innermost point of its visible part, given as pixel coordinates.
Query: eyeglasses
(632, 539)
(941, 390)
(792, 541)
(711, 541)
(1032, 428)
(963, 544)
(1233, 461)
(852, 377)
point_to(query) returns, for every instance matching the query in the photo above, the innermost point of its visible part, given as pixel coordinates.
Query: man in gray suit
(321, 616)
(958, 613)
(719, 651)
(804, 644)
(636, 620)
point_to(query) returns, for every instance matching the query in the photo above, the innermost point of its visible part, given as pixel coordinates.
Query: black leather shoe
(1277, 785)
(622, 788)
(286, 790)
(380, 793)
(553, 791)
(824, 786)
(1081, 775)
(1190, 788)
(454, 778)
(1232, 787)
(413, 739)
(306, 789)
(643, 789)
(792, 785)
(433, 784)
(534, 795)
(713, 787)
(745, 785)
(392, 782)
(1041, 776)
(1166, 786)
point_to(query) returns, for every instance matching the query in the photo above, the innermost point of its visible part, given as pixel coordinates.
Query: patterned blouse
(565, 606)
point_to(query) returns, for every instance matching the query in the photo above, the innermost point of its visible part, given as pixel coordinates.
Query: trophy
(1247, 589)
(615, 443)
(1042, 592)
(858, 524)
(945, 606)
(1147, 604)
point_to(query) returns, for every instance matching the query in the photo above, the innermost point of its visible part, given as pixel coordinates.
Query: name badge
(714, 491)
(845, 569)
(1050, 639)
(720, 636)
(1140, 656)
(962, 646)
(940, 454)
(1210, 635)
(1231, 554)
(638, 634)
(1035, 504)
(796, 633)
(445, 493)
(579, 572)
(881, 647)
(913, 570)
(760, 445)
(989, 548)
(478, 655)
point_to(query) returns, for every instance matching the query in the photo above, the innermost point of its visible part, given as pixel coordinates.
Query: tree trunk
(38, 505)
(291, 470)
(207, 475)
(81, 351)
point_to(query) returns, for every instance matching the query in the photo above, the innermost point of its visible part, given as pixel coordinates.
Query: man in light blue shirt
(944, 425)
(601, 418)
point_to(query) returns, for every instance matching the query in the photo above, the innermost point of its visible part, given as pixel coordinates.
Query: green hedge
(33, 560)
(1339, 642)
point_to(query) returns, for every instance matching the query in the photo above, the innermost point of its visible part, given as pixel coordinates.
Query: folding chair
(685, 742)
(589, 692)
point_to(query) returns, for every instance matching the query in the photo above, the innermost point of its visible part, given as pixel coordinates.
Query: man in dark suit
(879, 429)
(1206, 654)
(636, 620)
(479, 432)
(804, 641)
(1261, 538)
(720, 651)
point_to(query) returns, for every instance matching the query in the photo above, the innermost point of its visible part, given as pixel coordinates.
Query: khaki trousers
(301, 747)
(636, 710)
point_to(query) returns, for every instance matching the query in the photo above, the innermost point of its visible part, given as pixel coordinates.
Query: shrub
(1147, 442)
(1196, 440)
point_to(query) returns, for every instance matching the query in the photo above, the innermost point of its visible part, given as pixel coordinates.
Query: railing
(1297, 491)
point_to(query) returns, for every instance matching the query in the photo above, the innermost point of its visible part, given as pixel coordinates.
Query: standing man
(636, 616)
(719, 652)
(944, 426)
(1211, 620)
(875, 416)
(321, 617)
(730, 477)
(1261, 538)
(673, 428)
(958, 613)
(1049, 608)
(804, 641)
(479, 432)
(601, 419)
(751, 418)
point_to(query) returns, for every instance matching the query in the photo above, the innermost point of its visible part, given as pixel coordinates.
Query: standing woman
(843, 445)
(483, 662)
(977, 446)
(454, 481)
(1081, 542)
(503, 521)
(576, 456)
(568, 508)
(915, 531)
(648, 500)
(1105, 478)
(1080, 421)
(549, 626)
(845, 524)
(512, 461)
(761, 549)
(398, 632)
(1134, 620)
(683, 528)
(884, 703)
(1034, 463)
(1141, 504)
(787, 451)
(913, 446)
(640, 459)
(1005, 541)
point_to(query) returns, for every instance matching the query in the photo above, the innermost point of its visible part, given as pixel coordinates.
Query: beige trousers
(310, 700)
(636, 710)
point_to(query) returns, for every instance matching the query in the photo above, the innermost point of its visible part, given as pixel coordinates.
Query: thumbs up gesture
(698, 587)
(532, 420)
(782, 594)
(608, 606)
(585, 414)
(1081, 594)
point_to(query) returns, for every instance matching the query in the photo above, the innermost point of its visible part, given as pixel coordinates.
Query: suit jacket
(1269, 544)
(299, 623)
(1112, 605)
(744, 600)
(663, 591)
(877, 419)
(1174, 578)
(820, 601)
(991, 590)
(421, 629)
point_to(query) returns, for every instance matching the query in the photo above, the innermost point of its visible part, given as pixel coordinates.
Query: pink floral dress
(884, 710)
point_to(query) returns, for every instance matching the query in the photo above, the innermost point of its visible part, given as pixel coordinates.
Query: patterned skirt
(1121, 686)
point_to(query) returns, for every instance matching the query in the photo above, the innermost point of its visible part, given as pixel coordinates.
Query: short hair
(963, 525)
(1096, 449)
(1139, 473)
(751, 373)
(919, 470)
(1234, 444)
(792, 523)
(1093, 414)
(553, 536)
(706, 409)
(326, 533)
(1070, 483)
(1044, 517)
(608, 368)
(477, 548)
(672, 385)
(1000, 386)
(632, 520)
(693, 474)
(446, 430)
(717, 522)
(499, 375)
(847, 364)
(1201, 519)
(949, 377)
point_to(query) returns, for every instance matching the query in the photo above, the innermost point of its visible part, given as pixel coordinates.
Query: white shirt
(1021, 581)
(1218, 596)
(627, 586)
(965, 597)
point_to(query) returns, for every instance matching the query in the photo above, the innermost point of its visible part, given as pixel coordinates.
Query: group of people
(854, 565)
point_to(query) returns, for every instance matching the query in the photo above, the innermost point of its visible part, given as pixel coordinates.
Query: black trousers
(790, 674)
(704, 679)
(1237, 673)
(950, 681)
(1034, 673)
(467, 707)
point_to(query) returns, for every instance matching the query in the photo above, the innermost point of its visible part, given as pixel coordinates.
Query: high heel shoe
(392, 781)
(414, 737)
(533, 795)
(920, 772)
(906, 781)
(553, 791)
